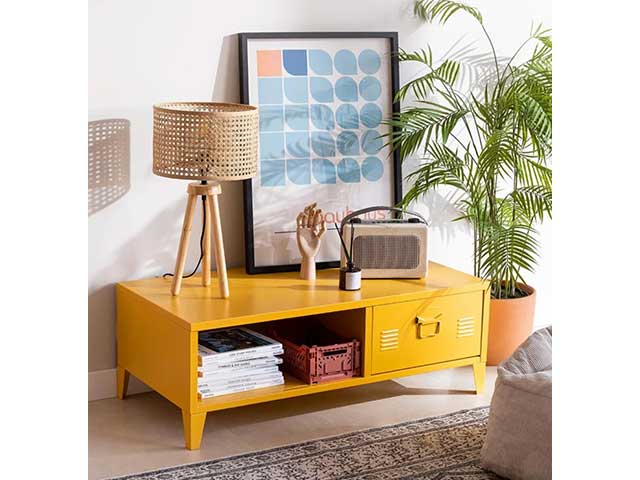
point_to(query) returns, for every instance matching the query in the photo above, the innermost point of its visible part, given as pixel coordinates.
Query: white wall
(144, 52)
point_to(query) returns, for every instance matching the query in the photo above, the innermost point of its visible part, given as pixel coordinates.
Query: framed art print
(322, 99)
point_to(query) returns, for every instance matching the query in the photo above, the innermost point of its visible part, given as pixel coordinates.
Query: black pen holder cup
(350, 279)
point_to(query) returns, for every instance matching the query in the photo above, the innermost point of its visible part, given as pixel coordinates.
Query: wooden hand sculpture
(310, 227)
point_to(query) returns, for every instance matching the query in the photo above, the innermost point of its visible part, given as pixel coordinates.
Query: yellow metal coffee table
(405, 327)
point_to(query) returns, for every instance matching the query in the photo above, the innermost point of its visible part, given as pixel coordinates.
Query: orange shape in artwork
(269, 63)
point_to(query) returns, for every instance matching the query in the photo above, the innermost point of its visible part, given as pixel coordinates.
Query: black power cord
(204, 225)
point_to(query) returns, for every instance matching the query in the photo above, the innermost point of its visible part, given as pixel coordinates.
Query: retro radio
(389, 248)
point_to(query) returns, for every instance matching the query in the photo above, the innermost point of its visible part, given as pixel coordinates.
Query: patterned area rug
(435, 448)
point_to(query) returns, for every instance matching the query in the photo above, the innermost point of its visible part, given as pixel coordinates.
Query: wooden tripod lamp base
(210, 190)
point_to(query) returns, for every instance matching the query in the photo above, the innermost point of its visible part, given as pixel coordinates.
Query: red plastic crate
(329, 357)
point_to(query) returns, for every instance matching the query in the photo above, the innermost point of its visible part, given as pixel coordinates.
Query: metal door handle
(422, 322)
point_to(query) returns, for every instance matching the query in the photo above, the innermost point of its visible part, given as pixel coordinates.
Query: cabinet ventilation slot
(389, 339)
(466, 327)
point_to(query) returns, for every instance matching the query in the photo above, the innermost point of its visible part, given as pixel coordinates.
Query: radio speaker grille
(386, 251)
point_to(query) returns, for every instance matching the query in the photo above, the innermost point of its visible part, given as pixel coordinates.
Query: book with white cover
(209, 359)
(247, 373)
(233, 344)
(239, 365)
(208, 393)
(228, 382)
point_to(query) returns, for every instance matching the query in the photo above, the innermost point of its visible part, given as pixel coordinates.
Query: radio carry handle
(373, 209)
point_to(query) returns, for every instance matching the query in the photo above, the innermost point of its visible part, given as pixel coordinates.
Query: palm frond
(425, 85)
(505, 252)
(416, 126)
(499, 155)
(443, 167)
(532, 201)
(492, 145)
(532, 171)
(442, 10)
(543, 35)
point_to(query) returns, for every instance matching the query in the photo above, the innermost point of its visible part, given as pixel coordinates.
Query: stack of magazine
(236, 360)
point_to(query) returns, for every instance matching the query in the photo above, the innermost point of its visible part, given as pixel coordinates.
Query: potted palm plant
(491, 145)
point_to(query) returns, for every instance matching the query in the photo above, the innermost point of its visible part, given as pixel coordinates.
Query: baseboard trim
(102, 384)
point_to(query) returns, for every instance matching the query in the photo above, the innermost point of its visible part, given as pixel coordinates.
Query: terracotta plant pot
(510, 324)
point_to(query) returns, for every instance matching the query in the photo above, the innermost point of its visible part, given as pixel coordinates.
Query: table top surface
(264, 297)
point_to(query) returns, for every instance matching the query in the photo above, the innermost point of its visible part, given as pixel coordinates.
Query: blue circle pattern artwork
(320, 62)
(347, 143)
(371, 141)
(347, 117)
(370, 88)
(321, 89)
(369, 61)
(370, 115)
(295, 89)
(347, 89)
(321, 117)
(372, 169)
(345, 61)
(313, 130)
(322, 144)
(297, 117)
(349, 170)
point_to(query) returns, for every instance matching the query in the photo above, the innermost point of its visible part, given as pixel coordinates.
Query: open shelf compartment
(349, 325)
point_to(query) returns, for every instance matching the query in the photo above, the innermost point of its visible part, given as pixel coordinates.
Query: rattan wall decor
(210, 142)
(204, 141)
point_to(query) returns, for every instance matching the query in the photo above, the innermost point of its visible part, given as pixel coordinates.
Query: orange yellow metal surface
(441, 322)
(421, 332)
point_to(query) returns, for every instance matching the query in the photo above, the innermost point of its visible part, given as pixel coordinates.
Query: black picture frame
(243, 39)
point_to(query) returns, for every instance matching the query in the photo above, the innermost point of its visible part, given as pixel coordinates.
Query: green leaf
(442, 10)
(425, 85)
(492, 145)
(416, 125)
(533, 201)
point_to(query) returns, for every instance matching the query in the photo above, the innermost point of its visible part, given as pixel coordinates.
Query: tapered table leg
(479, 370)
(193, 428)
(184, 245)
(122, 377)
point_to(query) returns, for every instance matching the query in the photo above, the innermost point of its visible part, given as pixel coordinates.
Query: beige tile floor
(144, 432)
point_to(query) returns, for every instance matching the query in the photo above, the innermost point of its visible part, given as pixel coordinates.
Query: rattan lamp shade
(205, 141)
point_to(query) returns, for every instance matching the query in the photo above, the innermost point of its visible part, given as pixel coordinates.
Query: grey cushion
(518, 443)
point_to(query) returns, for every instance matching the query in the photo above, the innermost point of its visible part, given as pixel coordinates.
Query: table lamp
(209, 142)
